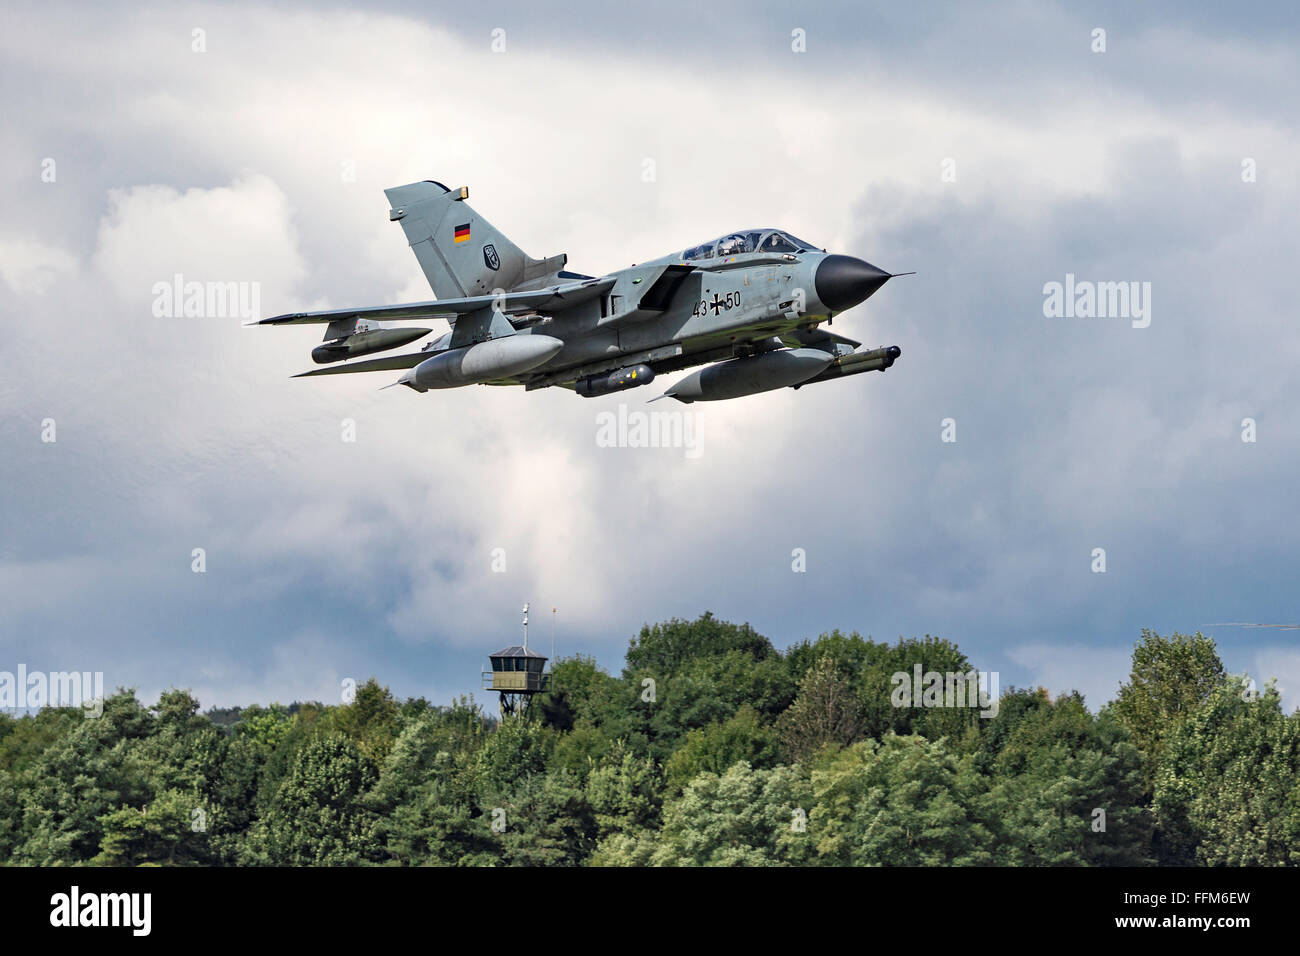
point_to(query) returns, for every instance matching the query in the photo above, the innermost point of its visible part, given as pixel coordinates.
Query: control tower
(517, 674)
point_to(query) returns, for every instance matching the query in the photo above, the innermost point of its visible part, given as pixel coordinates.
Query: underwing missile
(872, 360)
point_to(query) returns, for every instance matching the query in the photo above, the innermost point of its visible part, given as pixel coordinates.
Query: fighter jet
(748, 306)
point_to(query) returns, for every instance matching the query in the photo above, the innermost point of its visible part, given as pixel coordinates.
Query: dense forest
(711, 748)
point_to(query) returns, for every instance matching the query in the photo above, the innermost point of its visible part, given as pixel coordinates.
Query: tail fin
(461, 253)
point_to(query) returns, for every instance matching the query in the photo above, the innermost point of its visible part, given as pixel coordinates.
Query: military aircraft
(748, 306)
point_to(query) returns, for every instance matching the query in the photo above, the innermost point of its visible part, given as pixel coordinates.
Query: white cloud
(238, 233)
(29, 267)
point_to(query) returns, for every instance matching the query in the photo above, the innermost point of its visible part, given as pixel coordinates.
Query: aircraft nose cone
(842, 281)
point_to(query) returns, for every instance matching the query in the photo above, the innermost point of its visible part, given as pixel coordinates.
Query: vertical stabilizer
(461, 253)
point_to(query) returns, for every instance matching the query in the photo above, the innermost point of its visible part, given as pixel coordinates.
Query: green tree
(183, 749)
(263, 727)
(739, 679)
(372, 720)
(1188, 766)
(681, 703)
(424, 813)
(548, 821)
(1171, 678)
(24, 740)
(586, 745)
(899, 801)
(232, 802)
(11, 817)
(852, 654)
(307, 722)
(582, 691)
(744, 817)
(593, 710)
(1067, 790)
(625, 849)
(519, 749)
(1227, 789)
(96, 767)
(825, 712)
(1014, 706)
(165, 831)
(879, 678)
(714, 748)
(663, 649)
(625, 792)
(318, 817)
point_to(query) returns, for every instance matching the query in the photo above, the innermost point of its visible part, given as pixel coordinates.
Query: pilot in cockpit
(731, 246)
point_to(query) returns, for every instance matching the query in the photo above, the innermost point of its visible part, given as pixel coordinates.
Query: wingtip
(285, 319)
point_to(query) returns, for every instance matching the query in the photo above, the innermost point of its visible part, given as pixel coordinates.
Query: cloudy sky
(992, 149)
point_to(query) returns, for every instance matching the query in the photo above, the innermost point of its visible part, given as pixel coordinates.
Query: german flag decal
(462, 233)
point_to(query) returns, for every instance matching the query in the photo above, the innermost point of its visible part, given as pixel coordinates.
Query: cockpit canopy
(771, 241)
